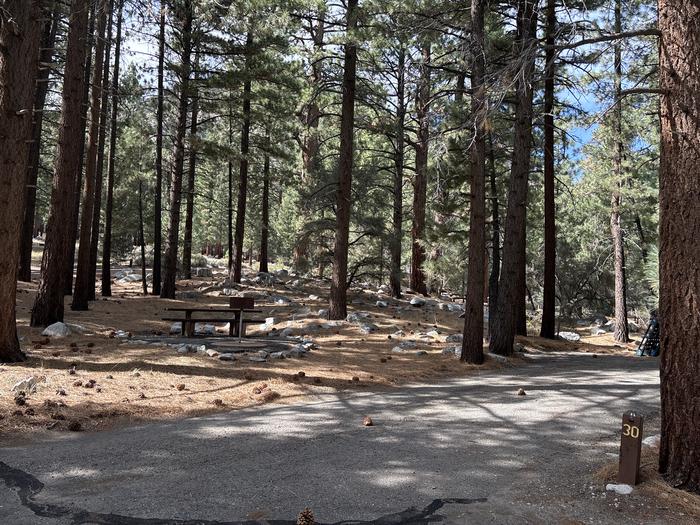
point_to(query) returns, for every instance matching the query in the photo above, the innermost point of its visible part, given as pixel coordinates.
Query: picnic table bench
(236, 318)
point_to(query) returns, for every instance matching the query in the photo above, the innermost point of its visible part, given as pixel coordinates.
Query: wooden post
(630, 448)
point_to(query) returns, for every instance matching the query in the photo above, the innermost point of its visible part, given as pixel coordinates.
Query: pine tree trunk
(239, 232)
(343, 199)
(473, 334)
(621, 333)
(48, 305)
(191, 172)
(81, 293)
(548, 327)
(420, 180)
(158, 198)
(48, 40)
(107, 241)
(679, 297)
(70, 261)
(311, 144)
(395, 271)
(104, 115)
(229, 218)
(20, 38)
(142, 241)
(184, 16)
(511, 288)
(495, 239)
(265, 205)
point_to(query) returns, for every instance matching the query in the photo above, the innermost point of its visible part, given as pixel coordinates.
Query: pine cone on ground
(306, 517)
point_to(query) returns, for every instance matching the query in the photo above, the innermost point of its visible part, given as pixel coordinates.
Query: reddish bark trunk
(158, 197)
(20, 36)
(679, 298)
(343, 201)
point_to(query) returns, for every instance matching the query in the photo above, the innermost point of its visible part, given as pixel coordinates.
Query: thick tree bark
(20, 38)
(621, 333)
(48, 306)
(265, 206)
(158, 197)
(70, 261)
(343, 198)
(679, 298)
(239, 233)
(81, 293)
(229, 218)
(395, 271)
(184, 15)
(191, 172)
(473, 334)
(420, 180)
(104, 123)
(511, 288)
(48, 40)
(548, 327)
(107, 241)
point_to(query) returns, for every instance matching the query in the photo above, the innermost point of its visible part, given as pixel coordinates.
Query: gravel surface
(462, 451)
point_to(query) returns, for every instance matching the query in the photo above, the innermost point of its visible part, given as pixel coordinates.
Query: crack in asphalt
(28, 487)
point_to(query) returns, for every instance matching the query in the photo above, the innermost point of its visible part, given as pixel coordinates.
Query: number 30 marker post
(630, 448)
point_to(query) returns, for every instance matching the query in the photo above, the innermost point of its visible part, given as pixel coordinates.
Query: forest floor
(95, 381)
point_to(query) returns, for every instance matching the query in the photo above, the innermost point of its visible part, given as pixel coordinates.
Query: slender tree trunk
(20, 39)
(395, 271)
(184, 15)
(142, 241)
(621, 333)
(82, 288)
(311, 144)
(511, 288)
(679, 214)
(420, 181)
(70, 262)
(548, 328)
(104, 115)
(48, 305)
(107, 241)
(229, 219)
(243, 166)
(48, 40)
(473, 334)
(158, 212)
(343, 199)
(265, 205)
(495, 239)
(191, 172)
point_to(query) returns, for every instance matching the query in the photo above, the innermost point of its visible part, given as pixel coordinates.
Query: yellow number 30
(629, 430)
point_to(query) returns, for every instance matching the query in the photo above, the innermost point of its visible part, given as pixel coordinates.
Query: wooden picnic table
(236, 322)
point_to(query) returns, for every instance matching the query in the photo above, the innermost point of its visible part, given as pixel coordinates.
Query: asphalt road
(462, 451)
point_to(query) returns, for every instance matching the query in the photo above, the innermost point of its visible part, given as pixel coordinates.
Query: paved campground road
(462, 451)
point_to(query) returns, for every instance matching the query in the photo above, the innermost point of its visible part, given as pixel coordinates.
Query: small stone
(181, 387)
(521, 392)
(61, 392)
(218, 402)
(142, 395)
(367, 421)
(301, 374)
(109, 377)
(619, 488)
(71, 372)
(78, 383)
(355, 379)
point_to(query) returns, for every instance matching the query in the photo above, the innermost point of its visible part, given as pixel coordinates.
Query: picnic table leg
(233, 323)
(240, 327)
(187, 324)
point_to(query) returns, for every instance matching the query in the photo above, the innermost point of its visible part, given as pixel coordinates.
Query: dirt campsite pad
(120, 365)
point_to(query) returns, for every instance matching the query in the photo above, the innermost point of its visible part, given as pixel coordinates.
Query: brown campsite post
(630, 448)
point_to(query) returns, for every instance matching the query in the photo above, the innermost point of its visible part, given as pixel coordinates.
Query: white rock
(433, 333)
(382, 304)
(619, 488)
(227, 357)
(417, 302)
(29, 385)
(368, 328)
(572, 337)
(212, 353)
(357, 317)
(287, 332)
(407, 344)
(56, 330)
(323, 313)
(76, 328)
(313, 297)
(397, 350)
(453, 338)
(652, 441)
(452, 350)
(455, 308)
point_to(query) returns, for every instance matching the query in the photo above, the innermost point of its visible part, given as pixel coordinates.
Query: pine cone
(306, 517)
